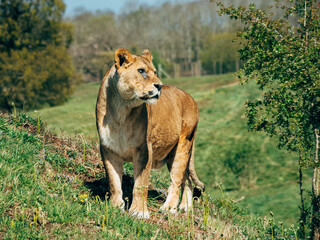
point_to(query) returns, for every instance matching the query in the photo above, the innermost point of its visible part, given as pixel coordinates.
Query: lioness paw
(165, 208)
(118, 203)
(140, 214)
(184, 208)
(137, 211)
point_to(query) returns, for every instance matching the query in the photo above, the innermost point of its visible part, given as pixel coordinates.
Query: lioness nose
(158, 86)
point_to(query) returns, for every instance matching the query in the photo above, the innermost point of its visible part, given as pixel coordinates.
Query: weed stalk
(22, 213)
(127, 201)
(142, 209)
(88, 207)
(271, 228)
(188, 220)
(271, 224)
(107, 213)
(103, 222)
(15, 213)
(281, 224)
(84, 149)
(35, 173)
(205, 208)
(38, 124)
(35, 221)
(220, 187)
(98, 199)
(14, 112)
(192, 216)
(295, 231)
(169, 219)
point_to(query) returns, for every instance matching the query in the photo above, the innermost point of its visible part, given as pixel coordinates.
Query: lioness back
(175, 115)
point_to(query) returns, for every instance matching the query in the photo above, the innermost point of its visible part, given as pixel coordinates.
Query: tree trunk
(220, 67)
(237, 65)
(175, 70)
(192, 69)
(303, 212)
(315, 230)
(199, 68)
(159, 70)
(214, 67)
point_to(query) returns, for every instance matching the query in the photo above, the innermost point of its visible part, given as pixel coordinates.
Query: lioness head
(137, 76)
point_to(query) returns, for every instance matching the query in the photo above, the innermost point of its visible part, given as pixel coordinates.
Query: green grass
(221, 138)
(48, 189)
(78, 114)
(43, 195)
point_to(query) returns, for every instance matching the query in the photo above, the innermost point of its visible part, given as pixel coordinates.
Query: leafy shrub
(35, 67)
(32, 78)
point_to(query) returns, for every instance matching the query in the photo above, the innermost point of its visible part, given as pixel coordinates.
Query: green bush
(35, 68)
(32, 78)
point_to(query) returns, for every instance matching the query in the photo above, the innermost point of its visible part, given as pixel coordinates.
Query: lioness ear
(147, 54)
(122, 56)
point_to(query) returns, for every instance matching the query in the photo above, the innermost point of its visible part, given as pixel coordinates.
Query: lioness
(150, 124)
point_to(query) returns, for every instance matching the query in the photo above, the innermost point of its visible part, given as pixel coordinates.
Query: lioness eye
(141, 70)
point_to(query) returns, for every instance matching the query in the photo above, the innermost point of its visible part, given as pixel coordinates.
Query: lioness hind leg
(186, 199)
(177, 167)
(113, 166)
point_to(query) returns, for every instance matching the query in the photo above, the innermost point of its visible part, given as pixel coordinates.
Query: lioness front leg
(141, 172)
(113, 165)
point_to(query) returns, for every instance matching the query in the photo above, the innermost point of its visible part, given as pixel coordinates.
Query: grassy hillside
(54, 187)
(246, 164)
(78, 114)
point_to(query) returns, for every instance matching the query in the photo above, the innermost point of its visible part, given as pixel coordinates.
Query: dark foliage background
(35, 68)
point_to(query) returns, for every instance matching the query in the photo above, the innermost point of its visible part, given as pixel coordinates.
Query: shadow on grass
(100, 187)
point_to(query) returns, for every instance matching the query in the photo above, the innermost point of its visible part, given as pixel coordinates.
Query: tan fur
(137, 124)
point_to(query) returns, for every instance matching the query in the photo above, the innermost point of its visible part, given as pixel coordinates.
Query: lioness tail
(192, 173)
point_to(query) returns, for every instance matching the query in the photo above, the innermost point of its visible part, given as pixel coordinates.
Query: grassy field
(78, 114)
(246, 164)
(54, 187)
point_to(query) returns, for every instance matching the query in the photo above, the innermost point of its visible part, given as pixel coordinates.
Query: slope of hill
(246, 164)
(54, 187)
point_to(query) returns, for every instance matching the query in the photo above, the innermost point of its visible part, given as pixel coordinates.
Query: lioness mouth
(147, 98)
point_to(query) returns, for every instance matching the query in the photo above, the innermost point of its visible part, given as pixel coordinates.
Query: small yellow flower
(83, 198)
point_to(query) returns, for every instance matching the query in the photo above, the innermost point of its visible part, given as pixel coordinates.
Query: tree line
(43, 55)
(185, 38)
